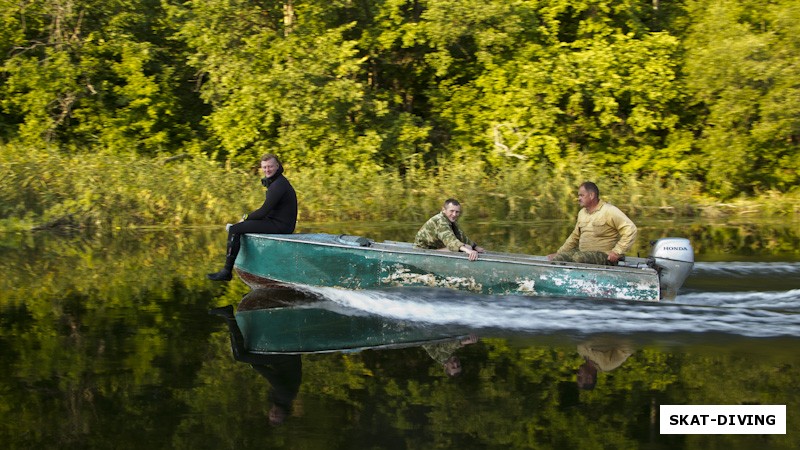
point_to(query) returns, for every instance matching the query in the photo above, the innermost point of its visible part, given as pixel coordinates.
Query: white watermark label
(723, 419)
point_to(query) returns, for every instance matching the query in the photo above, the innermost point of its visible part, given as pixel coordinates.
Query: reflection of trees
(108, 269)
(81, 375)
(738, 239)
(107, 342)
(510, 396)
(227, 404)
(507, 397)
(92, 329)
(746, 239)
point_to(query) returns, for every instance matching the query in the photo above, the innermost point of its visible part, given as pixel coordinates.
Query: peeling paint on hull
(402, 276)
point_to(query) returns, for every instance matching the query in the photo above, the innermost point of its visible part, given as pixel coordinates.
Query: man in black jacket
(278, 214)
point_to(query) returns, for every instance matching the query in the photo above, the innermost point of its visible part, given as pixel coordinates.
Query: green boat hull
(350, 262)
(310, 326)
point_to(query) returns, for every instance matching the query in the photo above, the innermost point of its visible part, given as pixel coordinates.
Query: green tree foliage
(290, 78)
(562, 81)
(624, 89)
(82, 74)
(742, 67)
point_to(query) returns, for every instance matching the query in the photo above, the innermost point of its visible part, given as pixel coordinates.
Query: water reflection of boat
(353, 262)
(274, 327)
(285, 321)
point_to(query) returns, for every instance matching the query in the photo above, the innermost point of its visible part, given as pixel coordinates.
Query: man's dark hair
(587, 376)
(269, 156)
(451, 201)
(591, 187)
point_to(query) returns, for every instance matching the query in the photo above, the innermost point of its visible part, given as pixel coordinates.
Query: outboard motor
(674, 259)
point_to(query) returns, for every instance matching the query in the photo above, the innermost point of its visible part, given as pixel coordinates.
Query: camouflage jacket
(438, 233)
(442, 351)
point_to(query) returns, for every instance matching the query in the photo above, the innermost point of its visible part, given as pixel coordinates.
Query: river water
(107, 342)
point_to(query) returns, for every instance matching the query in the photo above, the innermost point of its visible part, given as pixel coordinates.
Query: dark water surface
(106, 342)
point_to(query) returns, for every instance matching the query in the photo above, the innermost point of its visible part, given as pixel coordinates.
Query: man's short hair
(591, 187)
(269, 156)
(451, 201)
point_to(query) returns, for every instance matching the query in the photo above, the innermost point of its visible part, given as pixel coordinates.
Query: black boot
(226, 274)
(226, 312)
(237, 339)
(223, 275)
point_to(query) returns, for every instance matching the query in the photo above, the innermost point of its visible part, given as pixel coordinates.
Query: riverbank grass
(47, 189)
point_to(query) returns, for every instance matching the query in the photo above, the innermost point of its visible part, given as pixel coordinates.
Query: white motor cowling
(674, 259)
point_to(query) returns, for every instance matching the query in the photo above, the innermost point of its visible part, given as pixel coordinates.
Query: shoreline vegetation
(42, 189)
(118, 115)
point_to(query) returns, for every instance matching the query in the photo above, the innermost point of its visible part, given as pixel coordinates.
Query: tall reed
(47, 188)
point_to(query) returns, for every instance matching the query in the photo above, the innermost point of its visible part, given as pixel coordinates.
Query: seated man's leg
(599, 258)
(565, 256)
(257, 226)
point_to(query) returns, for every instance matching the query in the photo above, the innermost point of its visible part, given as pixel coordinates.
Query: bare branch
(503, 148)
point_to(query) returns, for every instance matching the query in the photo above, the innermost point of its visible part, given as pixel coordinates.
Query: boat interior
(628, 261)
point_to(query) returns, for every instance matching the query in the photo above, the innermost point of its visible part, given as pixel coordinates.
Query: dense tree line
(696, 89)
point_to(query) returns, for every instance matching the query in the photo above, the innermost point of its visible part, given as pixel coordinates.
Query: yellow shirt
(607, 229)
(605, 357)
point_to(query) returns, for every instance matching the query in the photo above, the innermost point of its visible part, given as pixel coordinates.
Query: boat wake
(734, 269)
(751, 314)
(788, 301)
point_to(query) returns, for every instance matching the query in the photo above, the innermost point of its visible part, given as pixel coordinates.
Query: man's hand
(471, 339)
(473, 254)
(613, 257)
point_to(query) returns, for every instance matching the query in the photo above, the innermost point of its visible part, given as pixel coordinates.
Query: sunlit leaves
(702, 90)
(84, 73)
(742, 66)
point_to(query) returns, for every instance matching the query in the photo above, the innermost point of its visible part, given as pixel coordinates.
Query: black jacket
(280, 205)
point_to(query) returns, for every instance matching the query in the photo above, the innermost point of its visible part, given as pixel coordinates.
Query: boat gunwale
(499, 257)
(257, 314)
(393, 346)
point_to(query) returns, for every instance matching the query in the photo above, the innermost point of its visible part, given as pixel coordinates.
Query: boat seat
(632, 261)
(355, 241)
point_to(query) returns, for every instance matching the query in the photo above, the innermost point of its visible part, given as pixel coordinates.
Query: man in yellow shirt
(602, 233)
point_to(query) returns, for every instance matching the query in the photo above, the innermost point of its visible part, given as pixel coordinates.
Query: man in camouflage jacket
(441, 232)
